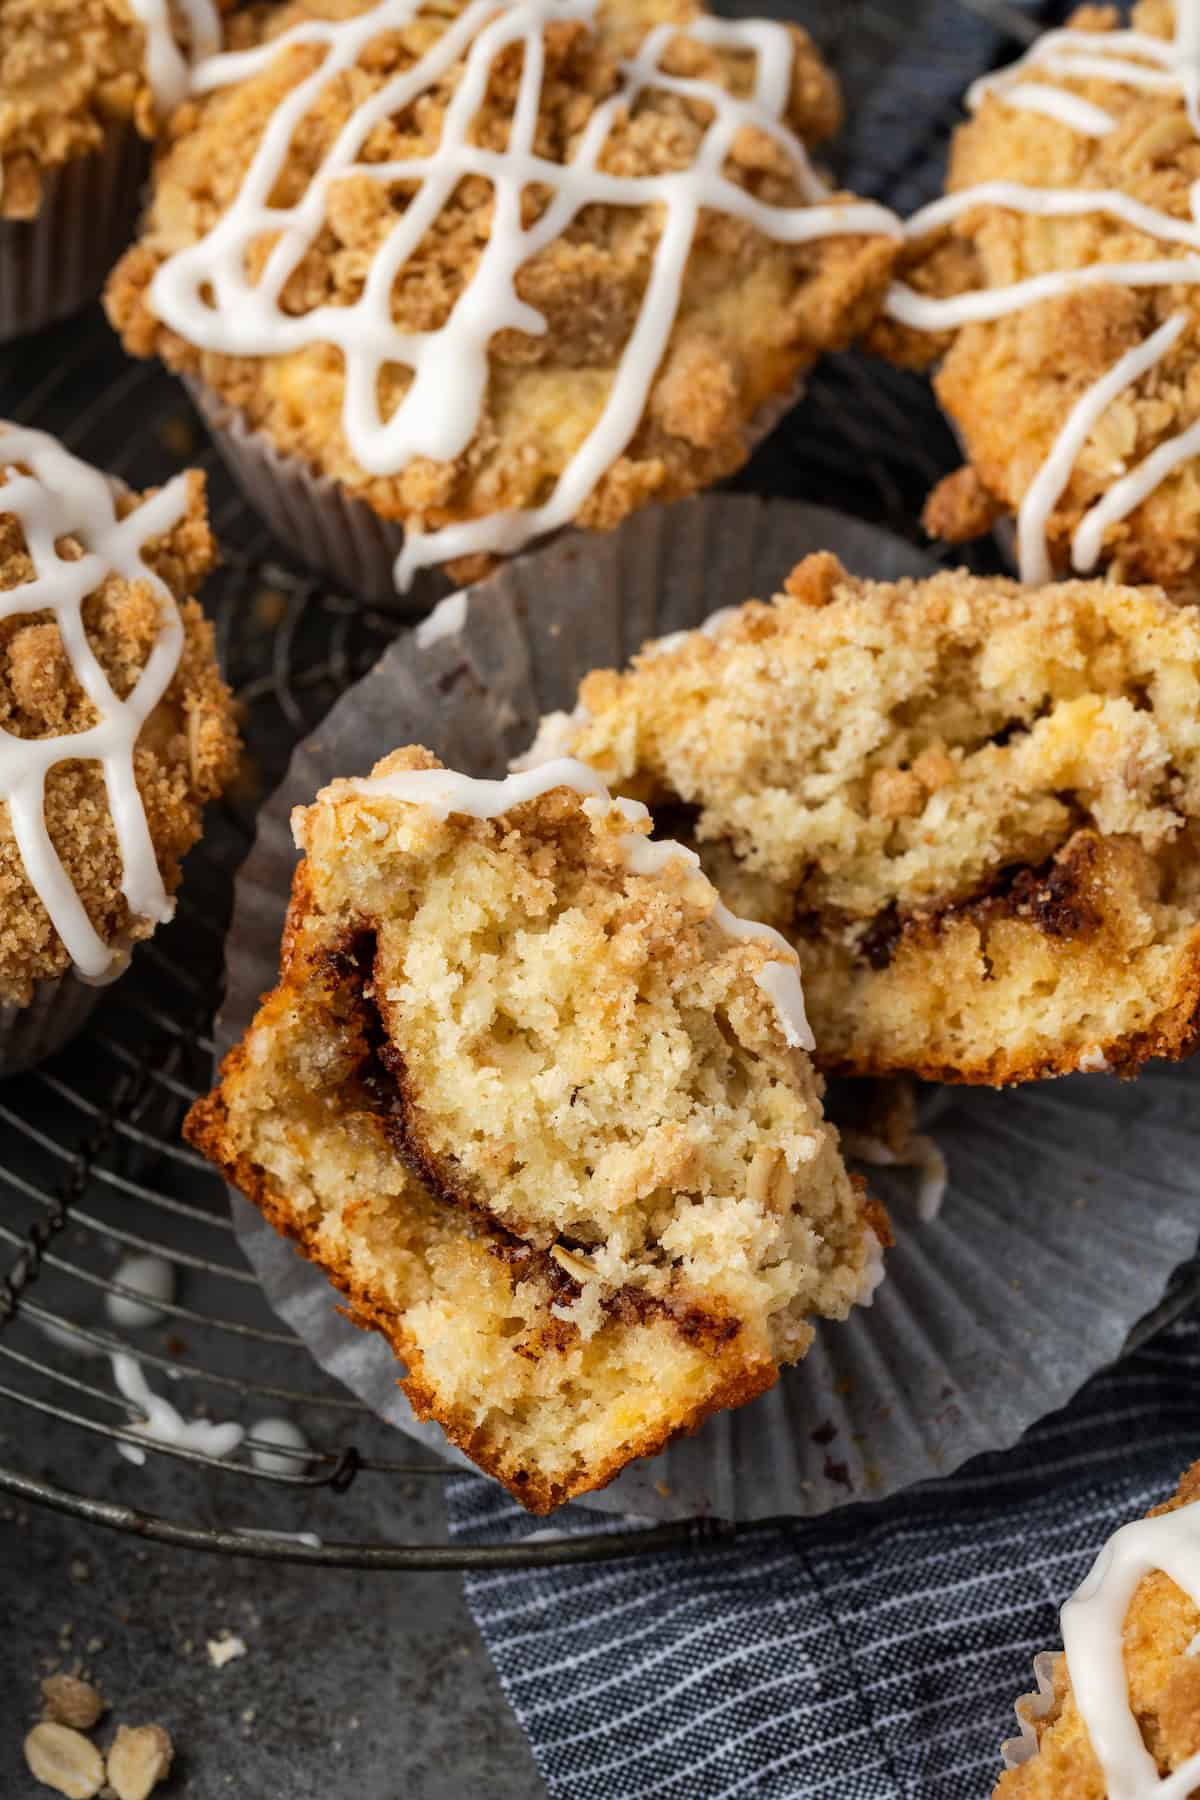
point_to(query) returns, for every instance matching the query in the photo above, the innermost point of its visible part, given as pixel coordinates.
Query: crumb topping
(753, 312)
(185, 754)
(1157, 1644)
(1009, 383)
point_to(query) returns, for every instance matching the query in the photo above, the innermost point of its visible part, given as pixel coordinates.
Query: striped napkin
(873, 1654)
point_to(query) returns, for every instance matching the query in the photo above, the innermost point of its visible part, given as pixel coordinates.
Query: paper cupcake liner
(313, 515)
(53, 264)
(327, 527)
(1017, 1750)
(1069, 1203)
(31, 1034)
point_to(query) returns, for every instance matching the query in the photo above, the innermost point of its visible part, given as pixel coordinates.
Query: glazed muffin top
(69, 68)
(1137, 1613)
(117, 724)
(594, 236)
(1056, 284)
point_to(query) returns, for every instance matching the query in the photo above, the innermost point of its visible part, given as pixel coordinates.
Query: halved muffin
(1081, 1737)
(538, 1104)
(972, 807)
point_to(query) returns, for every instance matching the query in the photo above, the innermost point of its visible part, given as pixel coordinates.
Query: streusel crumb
(185, 755)
(631, 1206)
(1010, 383)
(754, 313)
(972, 806)
(1163, 1676)
(69, 71)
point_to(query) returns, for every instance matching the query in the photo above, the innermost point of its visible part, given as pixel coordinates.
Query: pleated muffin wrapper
(1069, 1203)
(53, 264)
(335, 533)
(1031, 1707)
(58, 1011)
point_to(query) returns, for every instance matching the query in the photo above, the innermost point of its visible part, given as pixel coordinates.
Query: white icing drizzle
(1129, 492)
(873, 1269)
(1174, 68)
(711, 628)
(61, 496)
(1045, 490)
(287, 1437)
(160, 1421)
(446, 620)
(1055, 103)
(555, 737)
(167, 67)
(308, 1539)
(920, 1152)
(1093, 1622)
(204, 293)
(151, 1277)
(443, 791)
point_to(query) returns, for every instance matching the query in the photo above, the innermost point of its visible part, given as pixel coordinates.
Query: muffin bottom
(59, 1009)
(324, 525)
(55, 263)
(335, 533)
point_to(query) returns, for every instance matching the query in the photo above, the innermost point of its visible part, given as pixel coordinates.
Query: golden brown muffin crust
(186, 753)
(754, 313)
(1164, 1690)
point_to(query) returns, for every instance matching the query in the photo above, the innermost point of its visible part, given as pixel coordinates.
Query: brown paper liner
(315, 516)
(31, 1034)
(343, 537)
(1031, 1707)
(53, 264)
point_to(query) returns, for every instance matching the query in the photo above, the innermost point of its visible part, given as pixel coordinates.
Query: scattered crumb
(226, 1647)
(661, 1488)
(70, 1701)
(139, 1757)
(81, 1569)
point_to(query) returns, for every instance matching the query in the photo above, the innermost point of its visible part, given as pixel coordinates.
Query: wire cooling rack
(92, 1167)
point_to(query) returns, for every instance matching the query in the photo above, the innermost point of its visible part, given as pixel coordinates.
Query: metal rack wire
(91, 1163)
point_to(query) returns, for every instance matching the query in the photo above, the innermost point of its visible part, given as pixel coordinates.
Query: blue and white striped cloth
(876, 1653)
(871, 1655)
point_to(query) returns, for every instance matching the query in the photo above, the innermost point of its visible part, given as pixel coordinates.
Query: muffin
(972, 807)
(117, 726)
(444, 359)
(1119, 1710)
(541, 1108)
(83, 87)
(1056, 283)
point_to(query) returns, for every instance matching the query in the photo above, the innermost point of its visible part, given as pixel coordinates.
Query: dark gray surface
(375, 1686)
